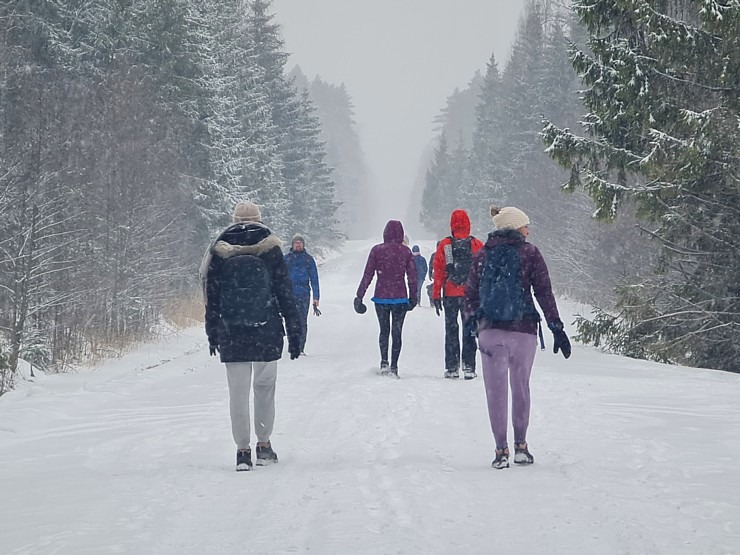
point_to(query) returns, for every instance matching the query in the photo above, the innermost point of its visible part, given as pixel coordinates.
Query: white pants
(239, 376)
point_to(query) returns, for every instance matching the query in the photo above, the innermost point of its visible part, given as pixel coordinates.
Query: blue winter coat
(303, 274)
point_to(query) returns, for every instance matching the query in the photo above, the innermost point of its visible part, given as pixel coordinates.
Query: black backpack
(458, 268)
(502, 297)
(246, 298)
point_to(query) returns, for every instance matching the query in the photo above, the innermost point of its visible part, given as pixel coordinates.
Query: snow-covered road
(136, 455)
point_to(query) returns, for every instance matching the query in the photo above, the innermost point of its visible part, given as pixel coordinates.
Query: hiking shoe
(390, 372)
(265, 455)
(502, 459)
(522, 454)
(469, 374)
(243, 460)
(452, 374)
(383, 365)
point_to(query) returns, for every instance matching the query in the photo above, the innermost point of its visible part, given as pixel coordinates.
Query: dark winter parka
(251, 344)
(533, 275)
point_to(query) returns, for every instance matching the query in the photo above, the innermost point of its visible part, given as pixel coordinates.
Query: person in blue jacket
(305, 279)
(421, 268)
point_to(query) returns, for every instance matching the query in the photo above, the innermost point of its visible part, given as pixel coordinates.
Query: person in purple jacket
(391, 261)
(499, 295)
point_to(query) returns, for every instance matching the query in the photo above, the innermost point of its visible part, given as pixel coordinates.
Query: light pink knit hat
(247, 212)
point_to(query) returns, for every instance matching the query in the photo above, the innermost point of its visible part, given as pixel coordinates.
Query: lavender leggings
(507, 354)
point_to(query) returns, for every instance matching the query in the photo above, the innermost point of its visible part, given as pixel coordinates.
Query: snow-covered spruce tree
(524, 90)
(312, 206)
(449, 179)
(663, 94)
(271, 58)
(440, 191)
(304, 172)
(343, 151)
(241, 136)
(457, 119)
(486, 161)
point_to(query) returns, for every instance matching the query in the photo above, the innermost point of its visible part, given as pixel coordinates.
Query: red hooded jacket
(460, 227)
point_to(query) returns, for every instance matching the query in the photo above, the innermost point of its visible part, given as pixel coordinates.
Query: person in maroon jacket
(390, 260)
(452, 262)
(499, 296)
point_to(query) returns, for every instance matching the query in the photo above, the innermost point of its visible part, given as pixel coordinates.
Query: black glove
(412, 304)
(293, 349)
(316, 311)
(560, 339)
(438, 306)
(212, 346)
(359, 307)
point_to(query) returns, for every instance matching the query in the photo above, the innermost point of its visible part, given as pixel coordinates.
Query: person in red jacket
(452, 262)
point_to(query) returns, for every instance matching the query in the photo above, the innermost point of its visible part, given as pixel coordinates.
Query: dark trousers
(390, 318)
(303, 304)
(453, 306)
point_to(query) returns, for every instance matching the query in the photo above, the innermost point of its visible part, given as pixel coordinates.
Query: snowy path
(136, 456)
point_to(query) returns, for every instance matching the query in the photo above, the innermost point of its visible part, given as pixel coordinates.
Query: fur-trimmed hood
(241, 238)
(227, 250)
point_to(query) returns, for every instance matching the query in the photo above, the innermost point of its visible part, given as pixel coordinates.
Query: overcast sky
(399, 59)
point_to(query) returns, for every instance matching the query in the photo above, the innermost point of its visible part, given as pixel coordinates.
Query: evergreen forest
(128, 131)
(615, 124)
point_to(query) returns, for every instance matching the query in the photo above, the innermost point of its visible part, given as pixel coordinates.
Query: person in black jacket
(431, 277)
(248, 294)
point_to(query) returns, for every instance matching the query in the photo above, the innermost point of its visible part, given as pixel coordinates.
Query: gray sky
(399, 59)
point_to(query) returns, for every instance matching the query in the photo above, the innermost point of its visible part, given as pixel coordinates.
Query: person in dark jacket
(508, 344)
(451, 267)
(248, 294)
(305, 278)
(421, 269)
(390, 261)
(430, 287)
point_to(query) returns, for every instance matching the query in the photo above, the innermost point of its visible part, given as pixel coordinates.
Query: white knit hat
(508, 217)
(247, 212)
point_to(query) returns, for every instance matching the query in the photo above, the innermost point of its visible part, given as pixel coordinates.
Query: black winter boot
(265, 455)
(243, 460)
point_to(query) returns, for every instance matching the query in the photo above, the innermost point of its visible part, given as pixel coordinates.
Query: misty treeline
(628, 166)
(344, 152)
(128, 130)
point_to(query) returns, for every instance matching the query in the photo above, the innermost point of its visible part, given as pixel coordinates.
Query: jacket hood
(505, 236)
(393, 232)
(460, 224)
(245, 238)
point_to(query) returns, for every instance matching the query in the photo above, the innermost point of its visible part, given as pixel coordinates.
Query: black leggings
(390, 318)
